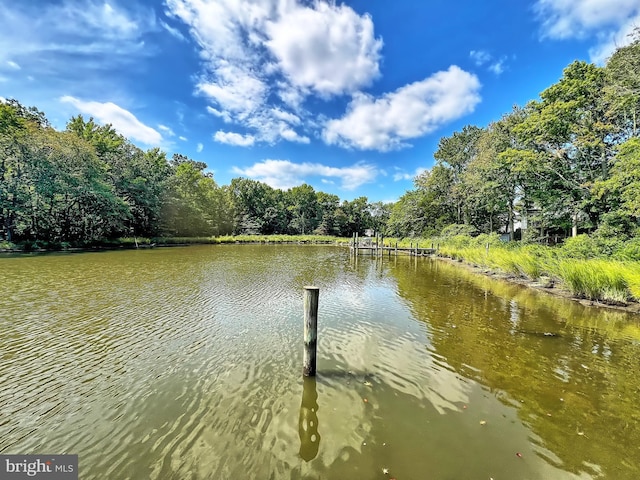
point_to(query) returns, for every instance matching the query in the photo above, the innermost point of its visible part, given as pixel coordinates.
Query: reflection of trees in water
(308, 421)
(576, 390)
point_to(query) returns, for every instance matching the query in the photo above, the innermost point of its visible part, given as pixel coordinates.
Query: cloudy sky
(351, 97)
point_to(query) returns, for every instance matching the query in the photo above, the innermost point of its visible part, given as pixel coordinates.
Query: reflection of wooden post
(308, 421)
(310, 330)
(356, 243)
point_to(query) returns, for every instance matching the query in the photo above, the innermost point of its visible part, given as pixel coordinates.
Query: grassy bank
(613, 279)
(133, 242)
(226, 239)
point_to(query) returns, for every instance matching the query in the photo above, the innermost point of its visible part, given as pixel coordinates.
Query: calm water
(185, 363)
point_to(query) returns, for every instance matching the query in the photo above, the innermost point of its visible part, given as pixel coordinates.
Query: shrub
(582, 246)
(457, 229)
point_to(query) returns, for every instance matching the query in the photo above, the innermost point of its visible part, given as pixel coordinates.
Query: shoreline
(146, 246)
(556, 291)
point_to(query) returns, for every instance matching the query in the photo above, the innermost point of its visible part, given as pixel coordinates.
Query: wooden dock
(375, 246)
(375, 250)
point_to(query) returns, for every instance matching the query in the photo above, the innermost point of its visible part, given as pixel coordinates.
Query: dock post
(311, 295)
(356, 246)
(396, 249)
(417, 245)
(411, 249)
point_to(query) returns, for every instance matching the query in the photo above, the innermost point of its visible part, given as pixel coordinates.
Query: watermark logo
(39, 467)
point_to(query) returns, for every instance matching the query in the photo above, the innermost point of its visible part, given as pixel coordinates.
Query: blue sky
(351, 97)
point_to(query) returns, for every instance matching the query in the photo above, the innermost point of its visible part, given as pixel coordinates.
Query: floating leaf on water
(365, 400)
(483, 422)
(519, 455)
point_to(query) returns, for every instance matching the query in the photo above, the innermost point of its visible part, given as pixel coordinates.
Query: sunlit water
(185, 363)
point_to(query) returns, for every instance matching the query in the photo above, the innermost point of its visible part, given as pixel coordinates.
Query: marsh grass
(605, 280)
(595, 279)
(226, 239)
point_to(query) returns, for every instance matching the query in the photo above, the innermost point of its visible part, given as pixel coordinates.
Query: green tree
(254, 206)
(194, 204)
(427, 209)
(303, 207)
(622, 90)
(328, 205)
(456, 152)
(492, 178)
(622, 188)
(358, 216)
(569, 145)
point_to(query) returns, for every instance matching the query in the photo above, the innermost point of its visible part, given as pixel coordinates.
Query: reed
(600, 280)
(606, 280)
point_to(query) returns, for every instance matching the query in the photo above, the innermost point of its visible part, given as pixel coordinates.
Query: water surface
(185, 363)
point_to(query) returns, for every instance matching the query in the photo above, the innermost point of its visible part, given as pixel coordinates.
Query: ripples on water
(185, 363)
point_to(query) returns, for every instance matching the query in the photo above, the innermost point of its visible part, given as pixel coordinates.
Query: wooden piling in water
(311, 295)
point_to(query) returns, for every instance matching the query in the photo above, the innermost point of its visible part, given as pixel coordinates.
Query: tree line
(88, 184)
(567, 163)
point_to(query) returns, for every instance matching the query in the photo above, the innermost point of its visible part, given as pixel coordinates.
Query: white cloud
(13, 65)
(285, 116)
(327, 48)
(224, 115)
(199, 148)
(610, 41)
(414, 110)
(401, 174)
(610, 21)
(497, 67)
(122, 120)
(255, 52)
(480, 57)
(184, 139)
(285, 174)
(232, 138)
(40, 34)
(166, 130)
(576, 18)
(173, 31)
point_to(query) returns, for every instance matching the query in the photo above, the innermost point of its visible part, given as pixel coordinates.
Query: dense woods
(88, 184)
(564, 164)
